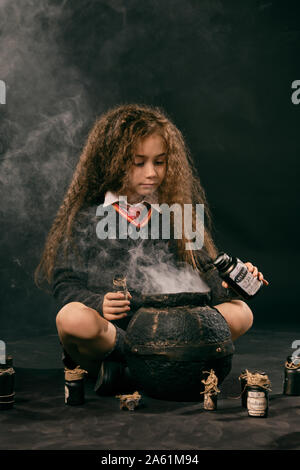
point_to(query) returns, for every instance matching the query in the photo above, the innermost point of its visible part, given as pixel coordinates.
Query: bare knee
(77, 320)
(245, 318)
(238, 315)
(246, 313)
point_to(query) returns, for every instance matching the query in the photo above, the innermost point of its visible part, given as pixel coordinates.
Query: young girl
(137, 152)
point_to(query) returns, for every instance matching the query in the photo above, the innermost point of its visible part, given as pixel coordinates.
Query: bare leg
(85, 335)
(238, 316)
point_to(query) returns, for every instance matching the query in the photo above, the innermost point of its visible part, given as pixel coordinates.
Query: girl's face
(149, 168)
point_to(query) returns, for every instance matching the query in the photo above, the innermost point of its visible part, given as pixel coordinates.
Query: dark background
(222, 70)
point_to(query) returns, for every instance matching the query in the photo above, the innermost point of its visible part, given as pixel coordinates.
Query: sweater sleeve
(70, 274)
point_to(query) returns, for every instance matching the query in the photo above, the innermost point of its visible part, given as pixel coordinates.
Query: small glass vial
(7, 384)
(237, 275)
(291, 384)
(74, 386)
(120, 285)
(257, 401)
(244, 386)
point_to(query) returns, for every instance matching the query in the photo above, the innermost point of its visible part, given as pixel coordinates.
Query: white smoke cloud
(46, 111)
(46, 108)
(155, 271)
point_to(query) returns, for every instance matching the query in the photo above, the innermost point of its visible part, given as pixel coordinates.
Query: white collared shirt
(111, 197)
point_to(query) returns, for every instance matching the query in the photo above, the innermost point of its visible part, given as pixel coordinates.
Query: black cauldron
(171, 340)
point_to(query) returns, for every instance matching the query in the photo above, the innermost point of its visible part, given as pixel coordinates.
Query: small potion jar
(74, 386)
(7, 383)
(120, 285)
(291, 384)
(244, 385)
(257, 401)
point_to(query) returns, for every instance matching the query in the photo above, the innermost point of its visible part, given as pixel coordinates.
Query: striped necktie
(134, 212)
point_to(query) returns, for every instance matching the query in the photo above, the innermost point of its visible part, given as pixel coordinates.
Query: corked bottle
(258, 387)
(120, 284)
(74, 386)
(237, 275)
(210, 391)
(291, 384)
(245, 374)
(7, 383)
(257, 401)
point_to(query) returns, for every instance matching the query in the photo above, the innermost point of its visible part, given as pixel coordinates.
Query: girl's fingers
(116, 312)
(115, 295)
(261, 278)
(254, 271)
(118, 303)
(110, 316)
(112, 309)
(257, 273)
(249, 266)
(116, 299)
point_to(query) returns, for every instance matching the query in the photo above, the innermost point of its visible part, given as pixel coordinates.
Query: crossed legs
(87, 337)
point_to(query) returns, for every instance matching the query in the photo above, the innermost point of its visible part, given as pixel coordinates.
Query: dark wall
(222, 70)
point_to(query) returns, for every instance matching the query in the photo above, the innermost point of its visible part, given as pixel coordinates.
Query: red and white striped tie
(133, 212)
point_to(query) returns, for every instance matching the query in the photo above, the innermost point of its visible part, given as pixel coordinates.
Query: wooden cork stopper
(74, 374)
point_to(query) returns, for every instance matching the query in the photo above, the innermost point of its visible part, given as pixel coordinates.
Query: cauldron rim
(171, 299)
(174, 294)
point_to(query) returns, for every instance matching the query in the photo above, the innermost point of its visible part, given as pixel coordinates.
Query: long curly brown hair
(104, 165)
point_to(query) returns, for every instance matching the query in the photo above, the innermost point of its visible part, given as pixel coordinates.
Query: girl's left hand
(255, 273)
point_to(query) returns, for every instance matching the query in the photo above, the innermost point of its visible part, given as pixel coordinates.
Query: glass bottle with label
(245, 386)
(237, 275)
(257, 401)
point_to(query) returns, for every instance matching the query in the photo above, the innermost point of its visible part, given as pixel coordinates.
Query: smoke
(166, 279)
(43, 126)
(154, 270)
(45, 112)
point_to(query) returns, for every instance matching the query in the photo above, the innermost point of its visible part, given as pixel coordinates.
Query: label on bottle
(256, 403)
(244, 278)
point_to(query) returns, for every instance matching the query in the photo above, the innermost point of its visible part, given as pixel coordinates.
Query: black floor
(41, 420)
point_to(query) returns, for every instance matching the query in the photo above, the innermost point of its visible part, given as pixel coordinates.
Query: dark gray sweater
(87, 273)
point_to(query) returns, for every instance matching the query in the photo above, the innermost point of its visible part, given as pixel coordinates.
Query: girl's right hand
(115, 305)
